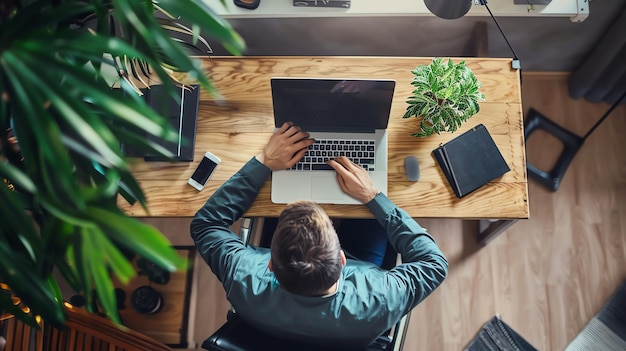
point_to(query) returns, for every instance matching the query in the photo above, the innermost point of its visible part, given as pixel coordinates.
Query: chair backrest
(237, 335)
(83, 331)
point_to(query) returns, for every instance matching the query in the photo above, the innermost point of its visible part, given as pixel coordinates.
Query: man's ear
(343, 258)
(269, 265)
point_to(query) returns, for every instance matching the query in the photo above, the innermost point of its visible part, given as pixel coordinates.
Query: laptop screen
(332, 105)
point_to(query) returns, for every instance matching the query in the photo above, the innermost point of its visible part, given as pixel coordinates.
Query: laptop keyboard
(360, 152)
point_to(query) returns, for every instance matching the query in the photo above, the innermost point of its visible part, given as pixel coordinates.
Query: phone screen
(204, 170)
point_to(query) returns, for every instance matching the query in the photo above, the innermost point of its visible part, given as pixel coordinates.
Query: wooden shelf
(169, 324)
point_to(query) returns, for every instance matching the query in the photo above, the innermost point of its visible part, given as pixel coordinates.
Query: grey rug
(607, 330)
(496, 335)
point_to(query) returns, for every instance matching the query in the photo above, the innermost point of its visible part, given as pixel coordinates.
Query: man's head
(306, 255)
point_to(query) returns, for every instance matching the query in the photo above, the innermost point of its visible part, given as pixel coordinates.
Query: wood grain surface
(236, 125)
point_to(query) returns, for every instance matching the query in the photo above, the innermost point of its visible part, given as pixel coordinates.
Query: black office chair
(237, 335)
(571, 144)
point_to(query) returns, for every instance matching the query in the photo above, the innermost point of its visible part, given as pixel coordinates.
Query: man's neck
(331, 290)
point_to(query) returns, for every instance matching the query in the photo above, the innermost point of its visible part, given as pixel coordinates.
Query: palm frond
(71, 74)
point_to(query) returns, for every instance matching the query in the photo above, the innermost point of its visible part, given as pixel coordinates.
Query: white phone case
(211, 158)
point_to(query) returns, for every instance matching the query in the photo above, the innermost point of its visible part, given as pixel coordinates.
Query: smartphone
(204, 171)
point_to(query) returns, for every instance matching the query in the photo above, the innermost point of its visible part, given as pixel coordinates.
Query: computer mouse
(412, 168)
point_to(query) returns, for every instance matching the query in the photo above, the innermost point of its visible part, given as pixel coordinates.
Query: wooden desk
(236, 128)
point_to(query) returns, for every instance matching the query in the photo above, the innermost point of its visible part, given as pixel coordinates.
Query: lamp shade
(448, 9)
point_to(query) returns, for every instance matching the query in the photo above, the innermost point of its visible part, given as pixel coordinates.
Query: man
(304, 288)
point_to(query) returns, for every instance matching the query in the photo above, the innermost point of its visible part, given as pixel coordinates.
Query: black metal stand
(571, 144)
(516, 61)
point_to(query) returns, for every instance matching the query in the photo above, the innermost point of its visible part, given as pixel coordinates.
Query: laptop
(346, 117)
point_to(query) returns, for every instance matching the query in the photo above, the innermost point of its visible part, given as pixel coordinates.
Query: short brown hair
(306, 254)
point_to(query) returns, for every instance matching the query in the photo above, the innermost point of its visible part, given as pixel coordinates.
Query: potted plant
(445, 95)
(61, 127)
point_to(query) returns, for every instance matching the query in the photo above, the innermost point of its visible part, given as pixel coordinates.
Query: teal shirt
(368, 301)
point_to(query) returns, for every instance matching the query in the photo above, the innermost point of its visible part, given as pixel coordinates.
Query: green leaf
(22, 102)
(130, 186)
(40, 12)
(20, 275)
(18, 177)
(17, 227)
(78, 116)
(445, 95)
(48, 150)
(78, 263)
(66, 268)
(96, 267)
(130, 111)
(146, 241)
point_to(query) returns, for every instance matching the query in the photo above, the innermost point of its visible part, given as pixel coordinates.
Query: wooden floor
(549, 275)
(546, 276)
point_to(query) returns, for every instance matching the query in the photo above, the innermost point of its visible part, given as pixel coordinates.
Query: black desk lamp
(451, 9)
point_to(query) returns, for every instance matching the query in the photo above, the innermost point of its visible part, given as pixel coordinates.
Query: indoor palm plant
(61, 126)
(445, 95)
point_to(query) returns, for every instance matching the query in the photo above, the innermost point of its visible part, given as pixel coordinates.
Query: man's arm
(210, 228)
(424, 267)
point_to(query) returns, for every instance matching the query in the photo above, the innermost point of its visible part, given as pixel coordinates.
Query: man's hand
(286, 147)
(353, 179)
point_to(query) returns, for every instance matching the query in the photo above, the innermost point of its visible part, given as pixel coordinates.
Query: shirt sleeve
(423, 267)
(220, 248)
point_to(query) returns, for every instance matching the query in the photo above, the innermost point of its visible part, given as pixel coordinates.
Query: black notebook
(470, 160)
(183, 117)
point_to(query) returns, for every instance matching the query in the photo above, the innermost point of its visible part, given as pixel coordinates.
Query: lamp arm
(606, 114)
(516, 61)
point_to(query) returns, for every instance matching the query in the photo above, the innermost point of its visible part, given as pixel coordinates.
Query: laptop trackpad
(326, 189)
